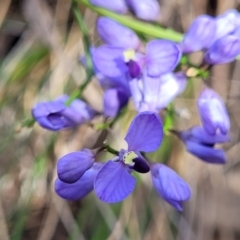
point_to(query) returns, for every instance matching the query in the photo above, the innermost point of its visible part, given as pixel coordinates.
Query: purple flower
(72, 166)
(80, 188)
(147, 10)
(162, 56)
(55, 115)
(171, 187)
(227, 23)
(120, 82)
(114, 181)
(201, 144)
(113, 101)
(224, 50)
(154, 94)
(213, 113)
(199, 35)
(118, 6)
(115, 34)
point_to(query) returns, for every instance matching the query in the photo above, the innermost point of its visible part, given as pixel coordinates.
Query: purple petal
(118, 6)
(72, 166)
(159, 92)
(226, 23)
(162, 56)
(114, 182)
(224, 50)
(109, 61)
(49, 115)
(213, 112)
(136, 92)
(115, 34)
(43, 109)
(145, 132)
(199, 134)
(114, 100)
(80, 188)
(206, 153)
(169, 185)
(199, 35)
(147, 10)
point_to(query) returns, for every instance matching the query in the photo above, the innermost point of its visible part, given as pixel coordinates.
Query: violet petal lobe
(115, 34)
(199, 134)
(147, 10)
(226, 23)
(224, 50)
(199, 35)
(213, 112)
(159, 92)
(113, 101)
(72, 166)
(162, 56)
(114, 183)
(206, 153)
(49, 115)
(118, 6)
(109, 61)
(145, 132)
(78, 111)
(169, 185)
(80, 188)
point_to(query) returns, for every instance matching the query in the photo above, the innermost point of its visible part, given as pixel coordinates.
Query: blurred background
(40, 44)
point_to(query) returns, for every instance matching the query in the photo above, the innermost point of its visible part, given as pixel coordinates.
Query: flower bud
(224, 50)
(213, 113)
(199, 35)
(55, 115)
(72, 166)
(148, 10)
(169, 185)
(115, 34)
(80, 188)
(201, 144)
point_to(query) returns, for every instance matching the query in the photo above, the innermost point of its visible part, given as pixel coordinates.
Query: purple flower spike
(213, 113)
(109, 61)
(114, 182)
(72, 166)
(118, 6)
(162, 56)
(199, 35)
(147, 10)
(114, 100)
(145, 132)
(224, 50)
(201, 144)
(56, 116)
(80, 188)
(169, 185)
(115, 34)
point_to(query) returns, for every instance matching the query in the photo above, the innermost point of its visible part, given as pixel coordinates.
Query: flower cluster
(217, 37)
(112, 181)
(151, 75)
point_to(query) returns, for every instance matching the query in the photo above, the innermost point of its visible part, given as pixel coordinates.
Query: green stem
(110, 149)
(89, 65)
(138, 26)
